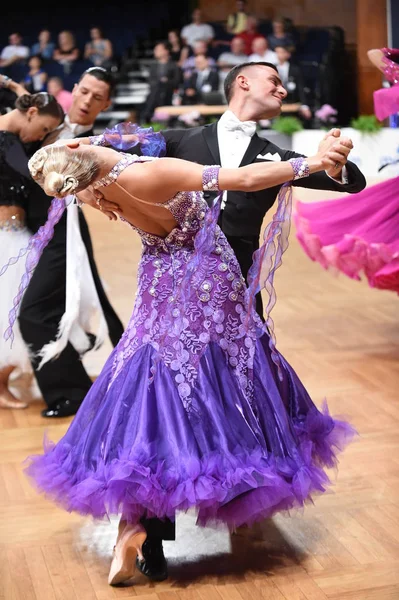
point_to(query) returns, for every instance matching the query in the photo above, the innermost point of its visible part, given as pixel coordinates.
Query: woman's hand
(333, 151)
(95, 199)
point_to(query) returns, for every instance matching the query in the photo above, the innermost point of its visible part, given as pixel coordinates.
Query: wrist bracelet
(210, 178)
(97, 140)
(300, 167)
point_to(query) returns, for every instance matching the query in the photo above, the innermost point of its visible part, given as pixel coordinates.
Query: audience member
(250, 34)
(237, 21)
(292, 79)
(179, 51)
(36, 78)
(15, 52)
(203, 80)
(44, 47)
(197, 30)
(228, 60)
(99, 50)
(66, 52)
(280, 37)
(261, 51)
(55, 87)
(200, 47)
(165, 77)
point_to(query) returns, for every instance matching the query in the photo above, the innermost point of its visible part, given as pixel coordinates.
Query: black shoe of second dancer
(154, 565)
(63, 408)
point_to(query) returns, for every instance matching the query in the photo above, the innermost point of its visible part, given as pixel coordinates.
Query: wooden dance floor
(343, 340)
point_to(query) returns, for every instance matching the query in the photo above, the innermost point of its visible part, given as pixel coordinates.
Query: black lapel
(210, 133)
(256, 146)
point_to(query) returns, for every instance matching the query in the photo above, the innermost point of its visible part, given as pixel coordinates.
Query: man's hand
(338, 151)
(95, 199)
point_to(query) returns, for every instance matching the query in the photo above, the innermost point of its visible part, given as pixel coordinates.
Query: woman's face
(35, 63)
(65, 39)
(95, 33)
(44, 36)
(36, 127)
(172, 37)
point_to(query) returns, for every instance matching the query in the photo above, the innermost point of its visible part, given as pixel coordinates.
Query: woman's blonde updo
(61, 172)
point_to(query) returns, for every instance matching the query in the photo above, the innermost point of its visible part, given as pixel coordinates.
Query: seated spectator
(292, 80)
(36, 78)
(261, 51)
(203, 80)
(66, 52)
(280, 37)
(200, 47)
(55, 87)
(197, 30)
(250, 34)
(237, 21)
(15, 52)
(44, 47)
(228, 60)
(179, 52)
(165, 78)
(99, 50)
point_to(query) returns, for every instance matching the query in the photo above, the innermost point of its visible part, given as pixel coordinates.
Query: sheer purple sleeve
(125, 136)
(267, 260)
(33, 252)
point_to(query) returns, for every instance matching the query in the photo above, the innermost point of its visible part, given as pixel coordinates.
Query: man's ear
(108, 104)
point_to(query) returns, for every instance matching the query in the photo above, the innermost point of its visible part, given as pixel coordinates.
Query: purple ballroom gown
(190, 410)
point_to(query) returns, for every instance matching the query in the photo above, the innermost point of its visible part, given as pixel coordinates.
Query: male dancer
(64, 382)
(253, 91)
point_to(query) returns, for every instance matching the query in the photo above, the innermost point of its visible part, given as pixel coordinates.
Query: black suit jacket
(212, 80)
(244, 211)
(39, 203)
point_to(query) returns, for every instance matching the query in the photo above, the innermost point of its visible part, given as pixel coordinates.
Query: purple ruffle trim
(236, 489)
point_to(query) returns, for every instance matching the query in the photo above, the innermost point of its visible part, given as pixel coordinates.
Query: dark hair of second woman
(45, 103)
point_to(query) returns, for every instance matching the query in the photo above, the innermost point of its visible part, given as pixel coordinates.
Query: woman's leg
(127, 549)
(7, 399)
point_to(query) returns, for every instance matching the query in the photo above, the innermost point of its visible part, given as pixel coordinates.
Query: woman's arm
(376, 57)
(108, 49)
(159, 180)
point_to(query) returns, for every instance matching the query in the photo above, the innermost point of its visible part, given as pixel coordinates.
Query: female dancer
(195, 406)
(360, 235)
(33, 117)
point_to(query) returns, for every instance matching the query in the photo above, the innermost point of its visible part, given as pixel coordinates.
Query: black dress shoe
(154, 565)
(63, 408)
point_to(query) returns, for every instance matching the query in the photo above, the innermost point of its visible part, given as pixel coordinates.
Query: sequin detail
(215, 312)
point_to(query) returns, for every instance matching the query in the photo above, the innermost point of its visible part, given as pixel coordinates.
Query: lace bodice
(187, 208)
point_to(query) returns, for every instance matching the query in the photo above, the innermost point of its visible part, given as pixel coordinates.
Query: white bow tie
(247, 127)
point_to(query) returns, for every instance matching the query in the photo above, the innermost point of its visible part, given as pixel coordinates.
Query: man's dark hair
(237, 70)
(102, 75)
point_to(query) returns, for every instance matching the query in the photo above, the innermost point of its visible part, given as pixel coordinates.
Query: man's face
(264, 87)
(160, 52)
(197, 15)
(201, 62)
(14, 39)
(259, 45)
(237, 46)
(90, 97)
(282, 54)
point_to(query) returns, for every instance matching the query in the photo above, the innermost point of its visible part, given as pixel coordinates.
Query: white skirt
(11, 243)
